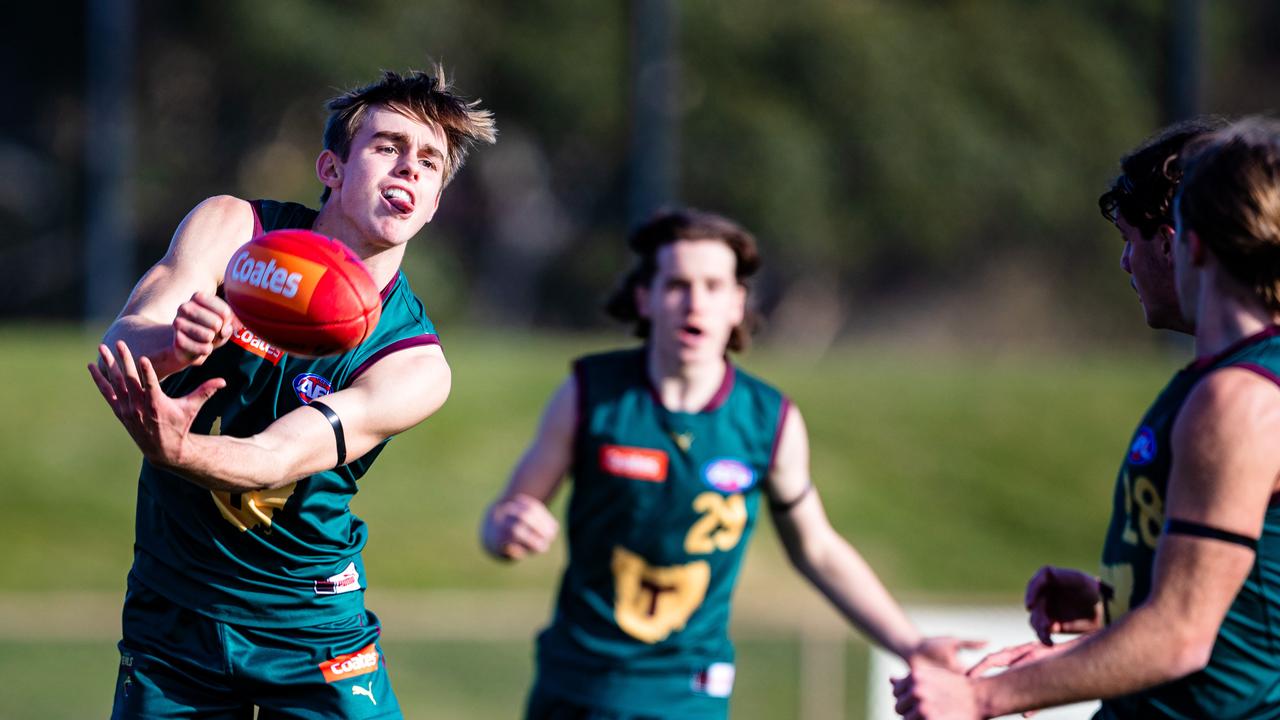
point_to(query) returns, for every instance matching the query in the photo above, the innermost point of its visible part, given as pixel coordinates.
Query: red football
(302, 292)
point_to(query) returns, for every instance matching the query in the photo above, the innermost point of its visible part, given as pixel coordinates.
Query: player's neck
(382, 262)
(1227, 314)
(684, 387)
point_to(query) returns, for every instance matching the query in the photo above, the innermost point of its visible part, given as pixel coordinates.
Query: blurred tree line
(912, 168)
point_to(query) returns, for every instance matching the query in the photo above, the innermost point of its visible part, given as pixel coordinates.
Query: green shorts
(176, 663)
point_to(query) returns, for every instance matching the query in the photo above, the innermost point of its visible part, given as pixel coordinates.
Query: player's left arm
(1225, 469)
(394, 394)
(829, 562)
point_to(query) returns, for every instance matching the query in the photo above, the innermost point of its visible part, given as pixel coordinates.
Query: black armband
(336, 422)
(1185, 527)
(781, 506)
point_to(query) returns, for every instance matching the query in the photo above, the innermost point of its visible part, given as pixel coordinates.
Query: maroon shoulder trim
(1207, 360)
(777, 433)
(256, 206)
(1260, 370)
(726, 387)
(386, 291)
(396, 346)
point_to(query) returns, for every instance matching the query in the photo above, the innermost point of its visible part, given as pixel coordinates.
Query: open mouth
(399, 199)
(689, 334)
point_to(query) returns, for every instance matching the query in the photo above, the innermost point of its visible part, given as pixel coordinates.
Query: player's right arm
(518, 523)
(173, 316)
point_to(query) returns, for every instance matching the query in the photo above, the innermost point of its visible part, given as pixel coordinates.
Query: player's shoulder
(1231, 399)
(224, 209)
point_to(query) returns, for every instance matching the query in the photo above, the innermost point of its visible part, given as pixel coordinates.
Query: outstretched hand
(1016, 655)
(159, 425)
(944, 651)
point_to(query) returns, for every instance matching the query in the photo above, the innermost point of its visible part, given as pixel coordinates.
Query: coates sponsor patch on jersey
(310, 386)
(1143, 449)
(728, 475)
(245, 338)
(360, 662)
(344, 582)
(634, 463)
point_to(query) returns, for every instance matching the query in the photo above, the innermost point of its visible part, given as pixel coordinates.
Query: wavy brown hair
(1149, 175)
(1230, 197)
(684, 224)
(427, 98)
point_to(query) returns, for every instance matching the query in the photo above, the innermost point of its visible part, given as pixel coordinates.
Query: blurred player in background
(1192, 556)
(671, 447)
(247, 586)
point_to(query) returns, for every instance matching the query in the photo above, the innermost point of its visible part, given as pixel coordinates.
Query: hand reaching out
(159, 425)
(944, 651)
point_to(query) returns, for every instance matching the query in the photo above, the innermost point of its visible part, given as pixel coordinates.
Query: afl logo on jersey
(1143, 449)
(310, 386)
(728, 475)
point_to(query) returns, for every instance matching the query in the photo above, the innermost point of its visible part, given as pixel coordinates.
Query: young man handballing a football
(247, 583)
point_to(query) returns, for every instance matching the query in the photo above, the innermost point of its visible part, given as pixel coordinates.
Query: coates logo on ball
(302, 292)
(1143, 449)
(310, 386)
(275, 276)
(728, 475)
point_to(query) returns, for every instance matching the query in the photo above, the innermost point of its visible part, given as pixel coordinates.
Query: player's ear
(739, 304)
(640, 294)
(1165, 235)
(329, 169)
(1196, 250)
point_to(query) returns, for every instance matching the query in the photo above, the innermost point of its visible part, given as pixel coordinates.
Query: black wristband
(336, 422)
(1186, 527)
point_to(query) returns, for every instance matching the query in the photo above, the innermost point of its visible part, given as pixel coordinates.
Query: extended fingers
(1000, 658)
(150, 381)
(104, 385)
(127, 364)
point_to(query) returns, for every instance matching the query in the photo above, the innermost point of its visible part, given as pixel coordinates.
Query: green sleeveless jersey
(663, 506)
(277, 558)
(1242, 679)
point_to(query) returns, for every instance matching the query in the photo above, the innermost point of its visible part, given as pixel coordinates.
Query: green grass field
(957, 474)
